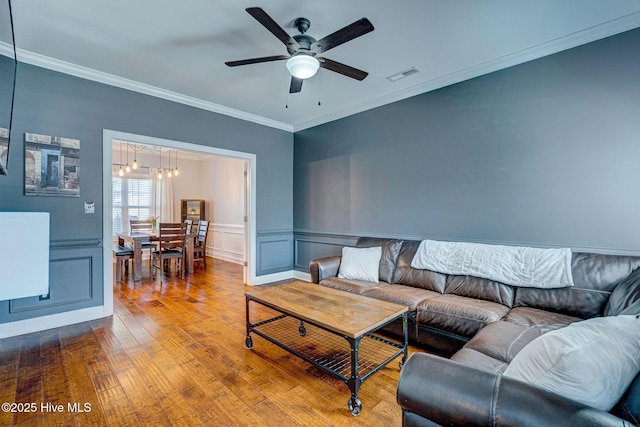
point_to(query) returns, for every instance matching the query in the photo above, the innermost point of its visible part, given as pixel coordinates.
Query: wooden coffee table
(332, 329)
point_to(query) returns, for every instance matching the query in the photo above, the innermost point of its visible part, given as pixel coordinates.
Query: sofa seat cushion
(353, 286)
(401, 294)
(459, 315)
(502, 340)
(479, 360)
(545, 320)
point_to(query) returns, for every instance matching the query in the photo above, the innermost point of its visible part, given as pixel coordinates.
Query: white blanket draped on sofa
(512, 265)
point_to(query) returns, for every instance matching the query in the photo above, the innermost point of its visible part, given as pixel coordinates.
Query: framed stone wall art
(51, 166)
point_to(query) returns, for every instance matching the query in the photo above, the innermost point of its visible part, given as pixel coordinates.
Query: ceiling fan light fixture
(303, 66)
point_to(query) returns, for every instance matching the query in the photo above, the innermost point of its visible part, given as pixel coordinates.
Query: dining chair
(171, 242)
(122, 254)
(200, 246)
(188, 225)
(143, 226)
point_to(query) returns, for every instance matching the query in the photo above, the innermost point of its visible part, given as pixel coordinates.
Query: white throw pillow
(360, 264)
(592, 361)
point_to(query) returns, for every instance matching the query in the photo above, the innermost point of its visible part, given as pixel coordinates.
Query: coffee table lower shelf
(352, 363)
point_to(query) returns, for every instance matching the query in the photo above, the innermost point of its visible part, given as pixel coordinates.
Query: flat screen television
(24, 254)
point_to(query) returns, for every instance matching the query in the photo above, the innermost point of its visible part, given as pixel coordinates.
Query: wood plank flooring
(173, 354)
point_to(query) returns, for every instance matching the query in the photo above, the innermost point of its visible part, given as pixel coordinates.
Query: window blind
(132, 198)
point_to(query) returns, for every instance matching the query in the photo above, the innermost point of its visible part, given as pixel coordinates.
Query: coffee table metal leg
(248, 341)
(405, 334)
(354, 404)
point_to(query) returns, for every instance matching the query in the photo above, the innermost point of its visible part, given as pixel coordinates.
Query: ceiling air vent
(403, 74)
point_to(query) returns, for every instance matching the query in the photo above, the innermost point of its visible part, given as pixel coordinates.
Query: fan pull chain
(319, 88)
(286, 102)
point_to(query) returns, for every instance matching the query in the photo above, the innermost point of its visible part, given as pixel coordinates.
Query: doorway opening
(158, 159)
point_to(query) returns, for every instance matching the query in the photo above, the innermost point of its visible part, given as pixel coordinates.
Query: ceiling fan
(302, 61)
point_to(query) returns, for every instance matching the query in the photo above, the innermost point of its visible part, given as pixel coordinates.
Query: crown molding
(6, 49)
(569, 41)
(123, 83)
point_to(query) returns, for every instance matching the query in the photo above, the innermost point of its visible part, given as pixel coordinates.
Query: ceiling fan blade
(343, 69)
(350, 32)
(296, 85)
(271, 25)
(256, 60)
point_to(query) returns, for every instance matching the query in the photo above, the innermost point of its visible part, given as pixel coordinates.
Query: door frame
(250, 197)
(246, 189)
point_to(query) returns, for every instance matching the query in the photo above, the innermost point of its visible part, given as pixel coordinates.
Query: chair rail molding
(313, 244)
(73, 243)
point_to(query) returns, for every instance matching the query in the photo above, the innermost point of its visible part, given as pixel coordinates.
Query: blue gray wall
(545, 154)
(6, 89)
(56, 104)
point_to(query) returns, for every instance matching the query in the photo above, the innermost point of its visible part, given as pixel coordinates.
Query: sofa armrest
(450, 393)
(324, 267)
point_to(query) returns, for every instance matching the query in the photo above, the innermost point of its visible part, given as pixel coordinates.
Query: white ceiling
(177, 49)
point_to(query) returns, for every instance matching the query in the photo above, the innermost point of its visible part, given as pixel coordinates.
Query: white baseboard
(284, 275)
(35, 324)
(234, 257)
(301, 275)
(268, 278)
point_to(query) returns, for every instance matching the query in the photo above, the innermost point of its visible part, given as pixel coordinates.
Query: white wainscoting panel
(226, 241)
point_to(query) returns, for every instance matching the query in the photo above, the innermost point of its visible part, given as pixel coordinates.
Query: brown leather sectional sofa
(479, 325)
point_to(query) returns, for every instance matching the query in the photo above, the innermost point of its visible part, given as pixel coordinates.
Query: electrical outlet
(89, 207)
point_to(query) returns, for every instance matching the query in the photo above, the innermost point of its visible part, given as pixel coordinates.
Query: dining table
(138, 237)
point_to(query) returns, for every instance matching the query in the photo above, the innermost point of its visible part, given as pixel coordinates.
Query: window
(131, 199)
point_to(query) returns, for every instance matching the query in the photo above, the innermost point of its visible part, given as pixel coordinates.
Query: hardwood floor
(173, 354)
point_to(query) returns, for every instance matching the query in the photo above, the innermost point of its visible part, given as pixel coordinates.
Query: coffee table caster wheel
(302, 330)
(249, 342)
(404, 359)
(355, 406)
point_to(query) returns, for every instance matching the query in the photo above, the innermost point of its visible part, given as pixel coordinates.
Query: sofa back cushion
(479, 288)
(390, 251)
(594, 277)
(407, 275)
(625, 298)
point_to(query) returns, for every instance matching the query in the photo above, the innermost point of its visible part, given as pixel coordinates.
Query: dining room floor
(173, 353)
